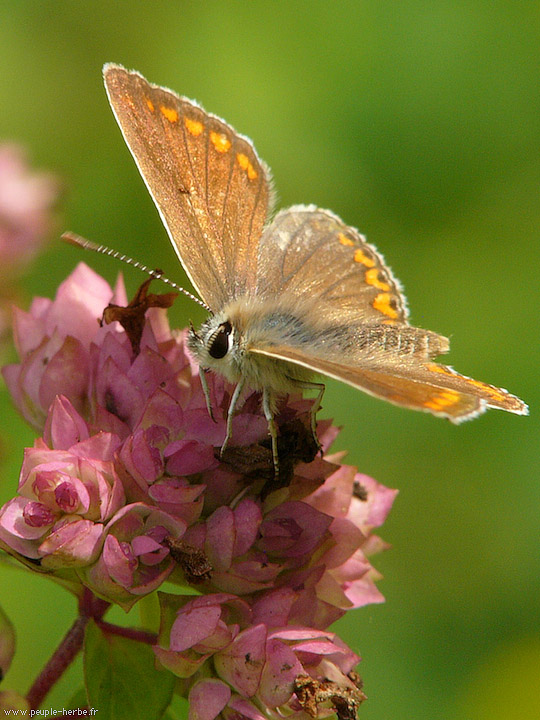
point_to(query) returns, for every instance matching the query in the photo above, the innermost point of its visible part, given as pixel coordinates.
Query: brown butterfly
(298, 294)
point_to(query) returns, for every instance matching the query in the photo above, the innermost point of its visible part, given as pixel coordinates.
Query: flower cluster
(126, 488)
(27, 200)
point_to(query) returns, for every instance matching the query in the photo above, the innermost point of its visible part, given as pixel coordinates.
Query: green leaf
(178, 709)
(121, 678)
(77, 700)
(149, 612)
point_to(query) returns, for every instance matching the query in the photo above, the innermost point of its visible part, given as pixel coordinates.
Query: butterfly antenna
(78, 241)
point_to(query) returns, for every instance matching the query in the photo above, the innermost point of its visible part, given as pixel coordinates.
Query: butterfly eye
(219, 344)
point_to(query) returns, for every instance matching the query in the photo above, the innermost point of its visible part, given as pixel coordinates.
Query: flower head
(65, 498)
(135, 559)
(127, 488)
(26, 201)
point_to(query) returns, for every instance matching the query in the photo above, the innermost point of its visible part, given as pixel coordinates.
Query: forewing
(426, 386)
(211, 189)
(311, 254)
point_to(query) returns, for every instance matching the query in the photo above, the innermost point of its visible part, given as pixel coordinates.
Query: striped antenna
(78, 241)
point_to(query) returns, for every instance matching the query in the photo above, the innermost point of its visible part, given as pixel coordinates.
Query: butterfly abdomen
(307, 329)
(401, 340)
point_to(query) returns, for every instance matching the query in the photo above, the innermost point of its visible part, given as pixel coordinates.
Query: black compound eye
(219, 344)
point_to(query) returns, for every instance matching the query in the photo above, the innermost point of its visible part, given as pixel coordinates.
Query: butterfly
(289, 296)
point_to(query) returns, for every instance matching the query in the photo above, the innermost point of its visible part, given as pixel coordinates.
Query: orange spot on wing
(382, 303)
(150, 105)
(194, 127)
(490, 390)
(361, 257)
(493, 392)
(220, 141)
(344, 240)
(246, 165)
(443, 400)
(373, 278)
(168, 113)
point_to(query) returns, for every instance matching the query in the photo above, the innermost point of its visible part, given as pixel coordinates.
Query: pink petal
(293, 529)
(66, 373)
(143, 544)
(101, 446)
(64, 426)
(187, 457)
(273, 608)
(246, 577)
(79, 304)
(246, 709)
(119, 561)
(193, 626)
(279, 673)
(148, 371)
(241, 663)
(38, 515)
(161, 410)
(220, 537)
(116, 392)
(247, 519)
(181, 665)
(334, 495)
(12, 520)
(73, 544)
(347, 539)
(301, 633)
(182, 501)
(372, 512)
(66, 497)
(141, 454)
(207, 698)
(28, 329)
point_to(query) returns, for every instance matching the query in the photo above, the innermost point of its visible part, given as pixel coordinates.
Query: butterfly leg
(269, 415)
(320, 387)
(206, 391)
(232, 410)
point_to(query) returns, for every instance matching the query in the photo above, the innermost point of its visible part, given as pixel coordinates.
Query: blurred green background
(418, 123)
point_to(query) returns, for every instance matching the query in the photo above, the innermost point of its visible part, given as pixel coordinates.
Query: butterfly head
(215, 346)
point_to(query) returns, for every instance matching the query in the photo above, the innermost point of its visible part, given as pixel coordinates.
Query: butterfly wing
(211, 190)
(358, 331)
(410, 383)
(311, 254)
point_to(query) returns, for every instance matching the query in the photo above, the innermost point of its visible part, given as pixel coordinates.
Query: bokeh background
(419, 123)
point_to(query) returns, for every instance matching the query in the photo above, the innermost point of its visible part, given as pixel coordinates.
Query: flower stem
(139, 635)
(90, 607)
(58, 663)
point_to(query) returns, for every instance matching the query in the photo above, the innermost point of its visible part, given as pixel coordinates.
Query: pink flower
(197, 628)
(127, 488)
(207, 698)
(309, 555)
(269, 668)
(228, 538)
(26, 203)
(65, 498)
(53, 340)
(300, 651)
(135, 559)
